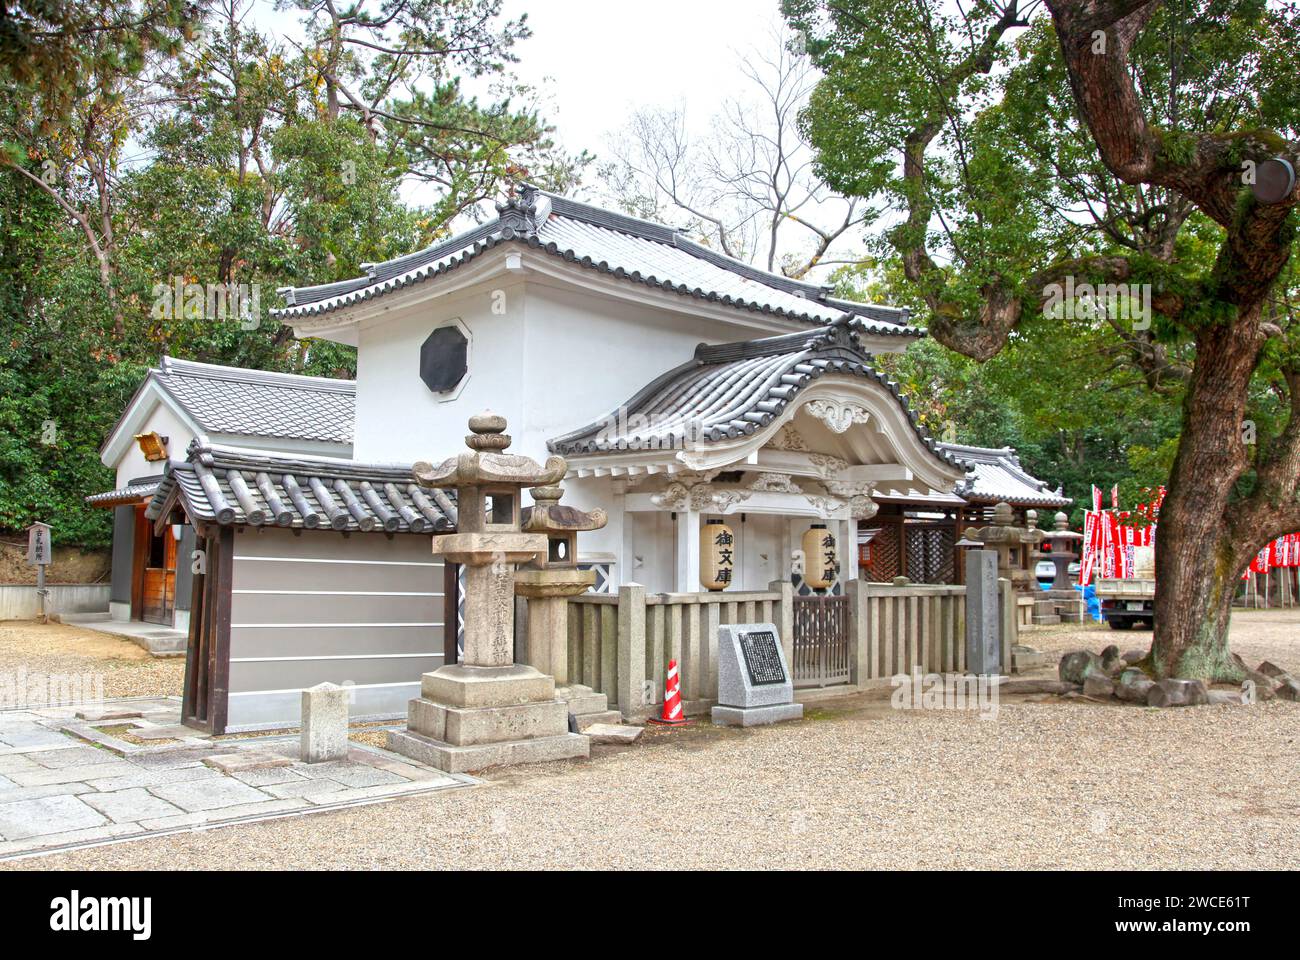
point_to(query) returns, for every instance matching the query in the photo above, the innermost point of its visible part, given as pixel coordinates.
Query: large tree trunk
(1197, 561)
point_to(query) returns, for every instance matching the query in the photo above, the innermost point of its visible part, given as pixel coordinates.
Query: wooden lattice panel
(930, 554)
(883, 560)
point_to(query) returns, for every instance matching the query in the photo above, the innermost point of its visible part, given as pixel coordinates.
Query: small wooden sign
(39, 550)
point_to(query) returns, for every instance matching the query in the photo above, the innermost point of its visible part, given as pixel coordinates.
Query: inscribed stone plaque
(752, 671)
(762, 657)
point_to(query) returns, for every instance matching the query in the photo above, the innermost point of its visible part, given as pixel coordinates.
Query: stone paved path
(71, 776)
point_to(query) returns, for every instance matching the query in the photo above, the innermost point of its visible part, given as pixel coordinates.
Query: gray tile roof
(608, 242)
(994, 474)
(132, 493)
(731, 390)
(234, 487)
(233, 400)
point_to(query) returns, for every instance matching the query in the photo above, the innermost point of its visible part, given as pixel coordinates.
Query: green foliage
(222, 158)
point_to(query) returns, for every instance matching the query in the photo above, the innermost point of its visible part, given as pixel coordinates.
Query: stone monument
(488, 710)
(983, 643)
(754, 684)
(547, 583)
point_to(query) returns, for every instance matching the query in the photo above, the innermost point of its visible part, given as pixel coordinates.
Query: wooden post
(631, 650)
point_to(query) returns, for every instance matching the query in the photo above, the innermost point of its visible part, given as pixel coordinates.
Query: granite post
(324, 723)
(983, 641)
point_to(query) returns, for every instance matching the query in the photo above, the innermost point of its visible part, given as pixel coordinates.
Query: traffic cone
(672, 712)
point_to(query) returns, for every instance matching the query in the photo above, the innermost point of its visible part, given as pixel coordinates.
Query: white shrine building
(680, 385)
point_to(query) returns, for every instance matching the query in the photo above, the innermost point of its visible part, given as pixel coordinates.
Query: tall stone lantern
(547, 583)
(1061, 603)
(488, 710)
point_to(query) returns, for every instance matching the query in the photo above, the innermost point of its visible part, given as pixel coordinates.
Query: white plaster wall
(556, 359)
(165, 422)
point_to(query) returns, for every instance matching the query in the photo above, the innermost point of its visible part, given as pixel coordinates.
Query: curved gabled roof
(624, 247)
(733, 390)
(995, 475)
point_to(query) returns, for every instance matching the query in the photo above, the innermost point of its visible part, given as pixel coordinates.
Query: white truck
(1126, 603)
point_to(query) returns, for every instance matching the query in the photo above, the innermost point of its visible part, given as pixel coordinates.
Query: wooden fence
(620, 645)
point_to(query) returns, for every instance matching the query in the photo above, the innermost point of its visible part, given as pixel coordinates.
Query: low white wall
(18, 601)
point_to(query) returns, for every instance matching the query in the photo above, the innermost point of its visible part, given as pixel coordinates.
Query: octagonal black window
(443, 359)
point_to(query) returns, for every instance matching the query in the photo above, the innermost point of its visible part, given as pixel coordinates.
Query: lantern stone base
(454, 759)
(469, 718)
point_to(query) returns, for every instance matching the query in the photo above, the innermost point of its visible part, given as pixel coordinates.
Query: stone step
(586, 720)
(613, 733)
(454, 759)
(587, 703)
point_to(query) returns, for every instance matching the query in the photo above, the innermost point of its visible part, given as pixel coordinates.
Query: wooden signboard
(39, 550)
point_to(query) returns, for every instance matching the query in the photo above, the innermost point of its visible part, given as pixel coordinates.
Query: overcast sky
(605, 58)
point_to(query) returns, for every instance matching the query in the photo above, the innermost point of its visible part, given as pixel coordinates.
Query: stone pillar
(324, 733)
(859, 632)
(548, 636)
(631, 650)
(489, 615)
(785, 618)
(982, 613)
(1008, 622)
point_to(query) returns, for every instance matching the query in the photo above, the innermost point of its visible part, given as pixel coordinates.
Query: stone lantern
(547, 583)
(1061, 603)
(1063, 541)
(1010, 542)
(488, 710)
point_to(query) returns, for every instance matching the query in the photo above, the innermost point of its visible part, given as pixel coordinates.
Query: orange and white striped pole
(672, 715)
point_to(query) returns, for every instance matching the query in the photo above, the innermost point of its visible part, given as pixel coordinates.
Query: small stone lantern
(488, 710)
(548, 581)
(1063, 541)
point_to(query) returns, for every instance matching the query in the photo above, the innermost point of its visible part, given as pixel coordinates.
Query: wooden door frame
(206, 696)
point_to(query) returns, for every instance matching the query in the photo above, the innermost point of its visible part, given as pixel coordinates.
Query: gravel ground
(128, 670)
(1256, 635)
(1049, 783)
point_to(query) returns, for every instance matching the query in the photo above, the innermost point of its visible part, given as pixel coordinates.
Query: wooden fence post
(631, 650)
